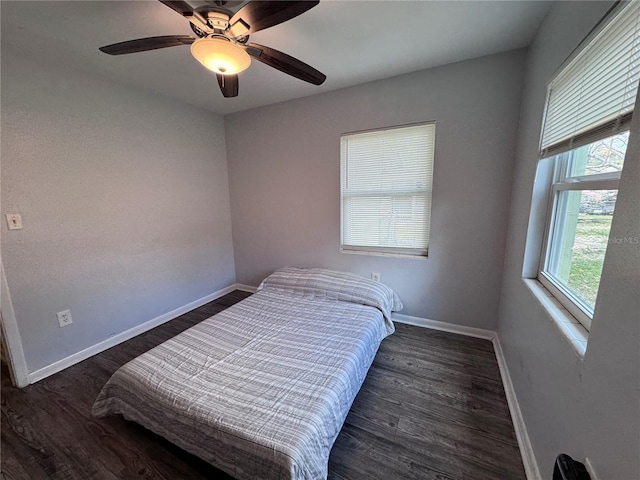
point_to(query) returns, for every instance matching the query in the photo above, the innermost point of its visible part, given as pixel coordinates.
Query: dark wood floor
(432, 407)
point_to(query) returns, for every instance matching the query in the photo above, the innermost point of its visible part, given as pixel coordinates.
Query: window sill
(570, 328)
(382, 254)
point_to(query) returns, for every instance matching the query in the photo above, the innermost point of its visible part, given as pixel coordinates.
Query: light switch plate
(14, 221)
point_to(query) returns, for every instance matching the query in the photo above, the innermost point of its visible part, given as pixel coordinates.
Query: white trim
(124, 336)
(572, 330)
(577, 308)
(11, 335)
(384, 254)
(245, 288)
(444, 326)
(526, 450)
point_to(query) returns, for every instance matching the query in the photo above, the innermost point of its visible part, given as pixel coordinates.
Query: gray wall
(125, 204)
(589, 409)
(284, 178)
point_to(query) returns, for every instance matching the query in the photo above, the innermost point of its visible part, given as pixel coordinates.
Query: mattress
(261, 390)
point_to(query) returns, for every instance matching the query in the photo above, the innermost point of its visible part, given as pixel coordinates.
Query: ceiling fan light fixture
(220, 55)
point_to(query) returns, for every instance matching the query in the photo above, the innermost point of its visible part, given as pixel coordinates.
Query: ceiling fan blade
(183, 8)
(264, 14)
(149, 43)
(228, 85)
(285, 63)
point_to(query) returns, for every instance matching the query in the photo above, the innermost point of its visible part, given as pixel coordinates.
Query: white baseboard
(246, 288)
(443, 326)
(526, 450)
(124, 336)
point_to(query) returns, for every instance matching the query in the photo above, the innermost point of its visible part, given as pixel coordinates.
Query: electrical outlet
(64, 318)
(14, 221)
(375, 277)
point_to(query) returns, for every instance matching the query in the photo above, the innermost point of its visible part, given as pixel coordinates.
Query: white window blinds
(386, 179)
(593, 96)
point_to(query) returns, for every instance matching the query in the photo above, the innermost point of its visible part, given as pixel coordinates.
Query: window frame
(390, 251)
(562, 182)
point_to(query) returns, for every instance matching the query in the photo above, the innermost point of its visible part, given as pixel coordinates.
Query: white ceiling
(352, 42)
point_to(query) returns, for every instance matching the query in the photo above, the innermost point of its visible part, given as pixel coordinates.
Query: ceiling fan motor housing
(218, 21)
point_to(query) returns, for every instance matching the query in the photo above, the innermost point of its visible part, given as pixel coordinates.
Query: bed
(261, 390)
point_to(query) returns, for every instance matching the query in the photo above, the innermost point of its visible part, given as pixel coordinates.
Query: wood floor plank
(435, 402)
(432, 407)
(11, 468)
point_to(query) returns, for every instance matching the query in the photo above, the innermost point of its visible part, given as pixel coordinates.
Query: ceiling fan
(222, 39)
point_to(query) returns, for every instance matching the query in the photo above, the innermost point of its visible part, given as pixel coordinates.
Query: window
(585, 134)
(386, 178)
(583, 199)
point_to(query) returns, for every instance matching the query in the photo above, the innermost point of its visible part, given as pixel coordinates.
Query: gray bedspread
(260, 390)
